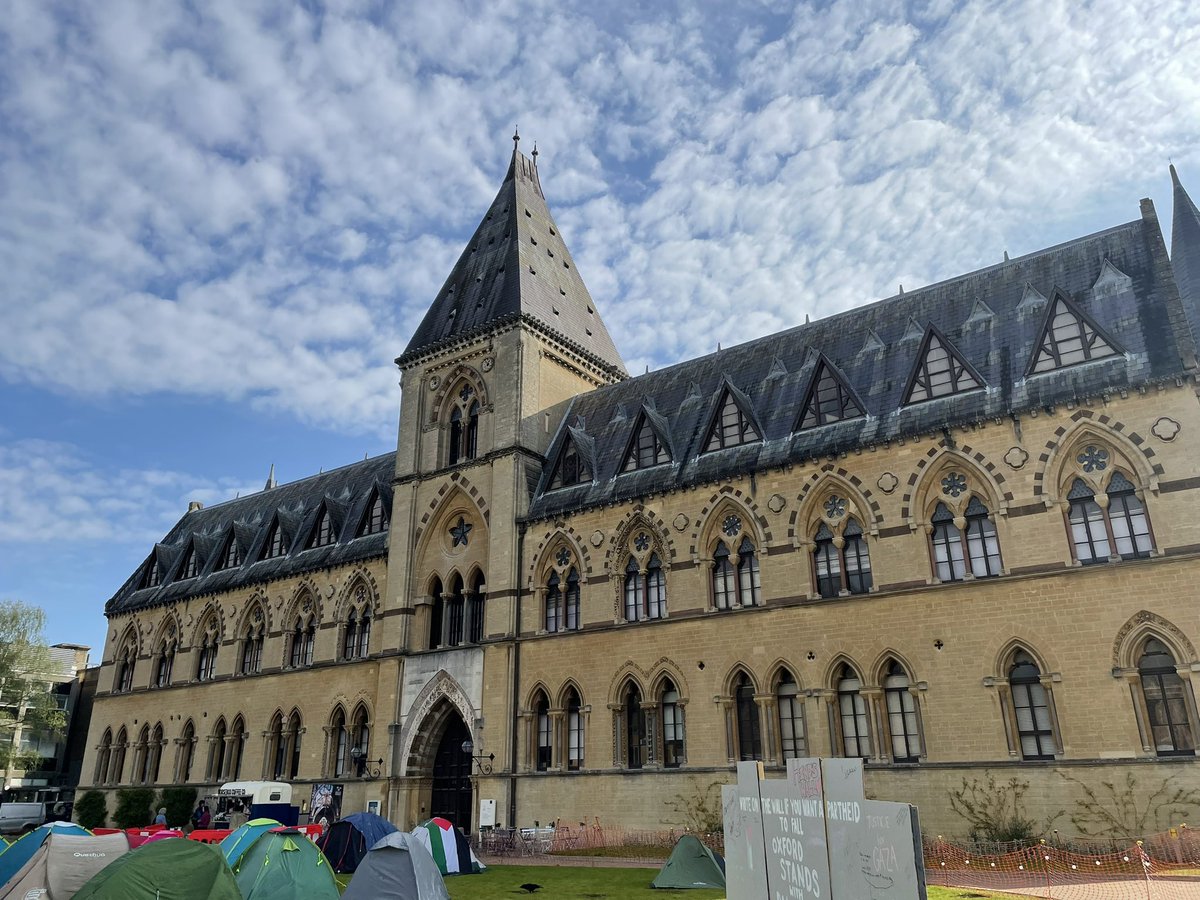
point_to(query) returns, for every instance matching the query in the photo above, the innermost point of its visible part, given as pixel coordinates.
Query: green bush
(133, 807)
(91, 810)
(179, 801)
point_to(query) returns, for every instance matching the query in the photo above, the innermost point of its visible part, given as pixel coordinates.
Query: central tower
(511, 336)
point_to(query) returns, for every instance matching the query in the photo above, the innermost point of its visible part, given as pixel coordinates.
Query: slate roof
(993, 318)
(516, 265)
(346, 493)
(1185, 251)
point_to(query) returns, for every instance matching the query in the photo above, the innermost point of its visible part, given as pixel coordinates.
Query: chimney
(195, 505)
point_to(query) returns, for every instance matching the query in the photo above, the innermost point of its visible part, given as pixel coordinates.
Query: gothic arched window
(1120, 529)
(1031, 704)
(645, 592)
(852, 714)
(792, 740)
(974, 549)
(749, 731)
(1166, 701)
(635, 729)
(545, 737)
(574, 731)
(672, 726)
(903, 723)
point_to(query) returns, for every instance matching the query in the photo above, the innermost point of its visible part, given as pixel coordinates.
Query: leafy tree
(133, 807)
(26, 670)
(179, 801)
(91, 810)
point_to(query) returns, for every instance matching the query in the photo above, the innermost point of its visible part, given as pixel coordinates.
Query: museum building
(952, 532)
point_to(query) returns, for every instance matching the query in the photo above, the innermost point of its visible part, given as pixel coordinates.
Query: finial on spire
(270, 479)
(535, 153)
(516, 136)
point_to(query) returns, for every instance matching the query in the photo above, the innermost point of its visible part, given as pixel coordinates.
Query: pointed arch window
(545, 737)
(574, 731)
(553, 601)
(939, 372)
(164, 664)
(150, 575)
(126, 663)
(117, 771)
(323, 533)
(360, 733)
(562, 601)
(436, 617)
(1069, 337)
(748, 584)
(1031, 705)
(1097, 531)
(456, 436)
(462, 435)
(154, 767)
(647, 449)
(475, 609)
(350, 637)
(731, 427)
(455, 606)
(672, 726)
(846, 568)
(829, 399)
(252, 648)
(141, 757)
(103, 758)
(231, 555)
(975, 549)
(749, 731)
(304, 635)
(571, 468)
(237, 749)
(187, 752)
(645, 592)
(216, 753)
(1167, 701)
(852, 715)
(277, 744)
(792, 739)
(190, 567)
(340, 741)
(275, 545)
(471, 435)
(374, 520)
(206, 660)
(635, 729)
(903, 723)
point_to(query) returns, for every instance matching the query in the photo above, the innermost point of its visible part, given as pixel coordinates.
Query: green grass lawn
(587, 883)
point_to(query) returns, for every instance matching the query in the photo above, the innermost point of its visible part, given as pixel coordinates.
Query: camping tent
(20, 851)
(691, 865)
(347, 840)
(448, 846)
(239, 840)
(398, 867)
(283, 864)
(63, 864)
(165, 870)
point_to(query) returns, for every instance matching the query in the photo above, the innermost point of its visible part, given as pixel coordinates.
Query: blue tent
(21, 850)
(239, 840)
(347, 841)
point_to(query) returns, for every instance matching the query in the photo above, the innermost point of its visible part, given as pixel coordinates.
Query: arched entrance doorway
(452, 795)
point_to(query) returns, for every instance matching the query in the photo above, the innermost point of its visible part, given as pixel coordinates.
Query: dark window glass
(1089, 535)
(983, 547)
(574, 732)
(373, 522)
(857, 558)
(350, 637)
(635, 739)
(828, 563)
(1127, 517)
(1031, 705)
(1166, 701)
(571, 469)
(231, 556)
(454, 610)
(471, 437)
(275, 543)
(672, 724)
(732, 427)
(647, 450)
(545, 747)
(791, 717)
(475, 610)
(456, 436)
(829, 400)
(902, 715)
(852, 710)
(191, 566)
(748, 577)
(572, 601)
(748, 728)
(323, 533)
(724, 589)
(150, 575)
(553, 602)
(947, 546)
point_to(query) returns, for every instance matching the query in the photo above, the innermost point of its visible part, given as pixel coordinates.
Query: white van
(16, 818)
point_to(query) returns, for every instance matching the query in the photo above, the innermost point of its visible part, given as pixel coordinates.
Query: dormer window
(829, 399)
(939, 372)
(323, 534)
(190, 567)
(732, 427)
(1069, 337)
(231, 556)
(275, 545)
(150, 577)
(647, 449)
(571, 469)
(373, 521)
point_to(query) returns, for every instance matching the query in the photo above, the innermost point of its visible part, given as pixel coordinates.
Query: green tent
(165, 870)
(691, 865)
(283, 864)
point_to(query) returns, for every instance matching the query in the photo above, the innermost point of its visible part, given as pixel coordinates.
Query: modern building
(952, 532)
(67, 680)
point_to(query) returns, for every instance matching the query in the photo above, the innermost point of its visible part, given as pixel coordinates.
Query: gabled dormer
(649, 442)
(1068, 337)
(189, 566)
(573, 466)
(940, 371)
(275, 545)
(230, 554)
(150, 577)
(374, 518)
(829, 398)
(732, 423)
(324, 530)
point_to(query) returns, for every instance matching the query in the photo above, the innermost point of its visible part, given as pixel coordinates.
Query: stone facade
(588, 646)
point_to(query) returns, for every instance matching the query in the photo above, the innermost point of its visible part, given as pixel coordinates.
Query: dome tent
(241, 838)
(63, 864)
(691, 865)
(397, 867)
(165, 870)
(283, 864)
(20, 851)
(448, 846)
(347, 841)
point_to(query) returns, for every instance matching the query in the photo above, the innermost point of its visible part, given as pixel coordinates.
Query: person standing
(161, 818)
(205, 816)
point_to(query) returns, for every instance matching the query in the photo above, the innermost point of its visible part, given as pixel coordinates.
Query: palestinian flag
(448, 846)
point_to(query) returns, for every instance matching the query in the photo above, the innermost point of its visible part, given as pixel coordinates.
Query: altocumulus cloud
(255, 202)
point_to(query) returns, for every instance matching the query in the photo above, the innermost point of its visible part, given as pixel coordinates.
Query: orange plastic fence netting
(1161, 867)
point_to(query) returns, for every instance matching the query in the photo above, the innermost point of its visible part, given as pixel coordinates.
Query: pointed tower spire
(1185, 251)
(270, 479)
(517, 268)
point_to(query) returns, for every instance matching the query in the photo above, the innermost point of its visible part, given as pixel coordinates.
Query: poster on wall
(326, 805)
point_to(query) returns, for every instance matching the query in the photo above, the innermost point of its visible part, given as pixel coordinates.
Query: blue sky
(220, 222)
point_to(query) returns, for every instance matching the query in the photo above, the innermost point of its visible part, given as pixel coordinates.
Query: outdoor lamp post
(362, 765)
(484, 762)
